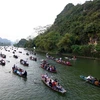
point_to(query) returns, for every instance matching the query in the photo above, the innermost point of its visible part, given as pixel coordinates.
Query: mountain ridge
(4, 41)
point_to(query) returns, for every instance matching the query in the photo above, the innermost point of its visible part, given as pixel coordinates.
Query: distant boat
(2, 62)
(3, 55)
(64, 62)
(23, 62)
(33, 58)
(27, 53)
(15, 56)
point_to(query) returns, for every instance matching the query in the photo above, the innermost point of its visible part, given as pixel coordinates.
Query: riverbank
(63, 54)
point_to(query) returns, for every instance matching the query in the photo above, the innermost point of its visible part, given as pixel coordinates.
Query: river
(13, 87)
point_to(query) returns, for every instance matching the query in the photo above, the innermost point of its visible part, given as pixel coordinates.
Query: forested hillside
(21, 43)
(76, 30)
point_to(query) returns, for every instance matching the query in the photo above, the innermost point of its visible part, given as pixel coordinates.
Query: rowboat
(3, 55)
(23, 62)
(67, 63)
(18, 71)
(2, 62)
(56, 87)
(59, 60)
(33, 58)
(49, 69)
(90, 79)
(15, 56)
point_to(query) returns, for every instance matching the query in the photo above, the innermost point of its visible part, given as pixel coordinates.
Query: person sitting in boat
(50, 83)
(26, 62)
(22, 71)
(13, 67)
(54, 84)
(60, 59)
(45, 79)
(90, 77)
(50, 68)
(46, 75)
(96, 83)
(18, 72)
(23, 62)
(59, 87)
(68, 63)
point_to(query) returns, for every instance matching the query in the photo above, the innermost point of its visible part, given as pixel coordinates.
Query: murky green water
(13, 87)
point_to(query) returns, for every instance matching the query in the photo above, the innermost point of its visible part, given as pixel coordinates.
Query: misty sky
(18, 18)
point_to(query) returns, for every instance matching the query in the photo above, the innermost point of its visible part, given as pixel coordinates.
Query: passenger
(46, 75)
(50, 68)
(60, 59)
(89, 77)
(50, 83)
(54, 84)
(59, 87)
(96, 83)
(46, 79)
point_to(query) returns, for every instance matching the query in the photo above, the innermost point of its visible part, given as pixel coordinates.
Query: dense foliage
(21, 43)
(75, 30)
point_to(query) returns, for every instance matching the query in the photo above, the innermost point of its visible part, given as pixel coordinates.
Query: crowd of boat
(51, 83)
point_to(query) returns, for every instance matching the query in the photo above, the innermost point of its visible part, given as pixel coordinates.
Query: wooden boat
(3, 55)
(20, 51)
(51, 69)
(23, 62)
(18, 71)
(27, 53)
(91, 80)
(33, 58)
(67, 63)
(2, 62)
(60, 61)
(15, 56)
(57, 88)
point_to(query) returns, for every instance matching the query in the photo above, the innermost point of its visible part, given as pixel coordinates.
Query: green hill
(21, 43)
(76, 30)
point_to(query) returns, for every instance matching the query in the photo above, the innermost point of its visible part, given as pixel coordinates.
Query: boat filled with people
(19, 71)
(15, 56)
(2, 62)
(23, 62)
(53, 84)
(33, 58)
(63, 62)
(3, 55)
(90, 79)
(48, 67)
(59, 60)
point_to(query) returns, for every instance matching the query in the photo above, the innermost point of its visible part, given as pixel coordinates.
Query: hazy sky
(18, 18)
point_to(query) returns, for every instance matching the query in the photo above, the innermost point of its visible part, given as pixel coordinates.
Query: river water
(13, 87)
